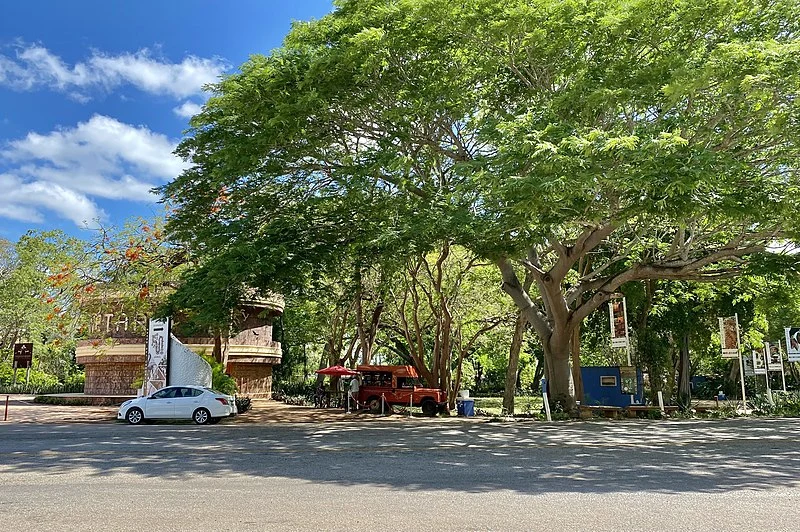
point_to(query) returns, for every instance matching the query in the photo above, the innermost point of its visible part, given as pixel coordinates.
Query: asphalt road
(420, 475)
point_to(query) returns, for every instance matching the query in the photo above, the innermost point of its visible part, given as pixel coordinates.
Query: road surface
(741, 474)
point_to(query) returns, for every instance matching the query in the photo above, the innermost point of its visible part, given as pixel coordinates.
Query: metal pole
(410, 403)
(546, 406)
(741, 364)
(766, 372)
(627, 337)
(783, 373)
(661, 401)
(383, 402)
(5, 417)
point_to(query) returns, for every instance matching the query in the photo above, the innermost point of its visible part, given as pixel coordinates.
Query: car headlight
(126, 403)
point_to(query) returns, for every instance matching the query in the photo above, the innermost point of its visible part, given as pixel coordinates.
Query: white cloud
(62, 170)
(23, 201)
(187, 109)
(35, 66)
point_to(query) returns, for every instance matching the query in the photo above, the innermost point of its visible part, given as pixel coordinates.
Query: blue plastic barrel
(465, 407)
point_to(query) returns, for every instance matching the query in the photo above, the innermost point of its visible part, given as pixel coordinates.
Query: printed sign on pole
(23, 355)
(774, 360)
(729, 337)
(155, 376)
(793, 344)
(619, 322)
(759, 362)
(748, 364)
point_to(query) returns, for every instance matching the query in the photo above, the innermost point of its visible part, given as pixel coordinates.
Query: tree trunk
(684, 389)
(559, 383)
(538, 373)
(513, 364)
(733, 376)
(575, 349)
(361, 332)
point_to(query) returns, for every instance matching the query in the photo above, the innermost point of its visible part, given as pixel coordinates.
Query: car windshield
(213, 391)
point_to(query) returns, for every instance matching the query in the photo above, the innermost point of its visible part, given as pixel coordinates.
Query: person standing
(353, 394)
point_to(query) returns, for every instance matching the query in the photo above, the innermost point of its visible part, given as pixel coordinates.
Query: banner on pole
(748, 364)
(155, 376)
(729, 337)
(775, 359)
(759, 362)
(793, 344)
(619, 322)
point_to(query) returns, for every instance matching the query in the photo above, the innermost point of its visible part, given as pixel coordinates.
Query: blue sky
(94, 95)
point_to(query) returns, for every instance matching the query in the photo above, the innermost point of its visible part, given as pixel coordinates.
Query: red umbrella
(339, 371)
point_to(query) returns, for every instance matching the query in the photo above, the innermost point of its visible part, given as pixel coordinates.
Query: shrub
(294, 393)
(243, 404)
(220, 381)
(784, 404)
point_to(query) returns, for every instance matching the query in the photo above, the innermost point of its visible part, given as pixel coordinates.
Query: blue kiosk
(612, 386)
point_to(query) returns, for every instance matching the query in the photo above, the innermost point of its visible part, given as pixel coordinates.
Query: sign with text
(759, 362)
(155, 373)
(729, 336)
(774, 359)
(23, 355)
(793, 344)
(619, 322)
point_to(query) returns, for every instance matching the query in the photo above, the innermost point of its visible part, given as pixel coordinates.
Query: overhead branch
(513, 288)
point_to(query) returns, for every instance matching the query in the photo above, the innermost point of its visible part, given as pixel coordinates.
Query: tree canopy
(589, 143)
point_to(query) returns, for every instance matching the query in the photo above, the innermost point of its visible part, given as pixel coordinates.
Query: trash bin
(465, 407)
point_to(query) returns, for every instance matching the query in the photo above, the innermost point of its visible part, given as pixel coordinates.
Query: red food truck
(398, 385)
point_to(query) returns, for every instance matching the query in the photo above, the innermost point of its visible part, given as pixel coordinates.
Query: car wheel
(374, 404)
(135, 416)
(215, 420)
(201, 416)
(428, 408)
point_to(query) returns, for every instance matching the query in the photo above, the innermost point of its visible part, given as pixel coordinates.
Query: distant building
(114, 354)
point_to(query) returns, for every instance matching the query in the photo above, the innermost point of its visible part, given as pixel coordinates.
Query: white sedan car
(202, 405)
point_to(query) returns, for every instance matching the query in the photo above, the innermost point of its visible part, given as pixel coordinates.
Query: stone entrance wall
(112, 371)
(254, 380)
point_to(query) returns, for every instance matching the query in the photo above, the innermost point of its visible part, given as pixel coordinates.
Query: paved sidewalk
(22, 409)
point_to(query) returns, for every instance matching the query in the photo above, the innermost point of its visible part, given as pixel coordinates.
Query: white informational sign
(775, 359)
(793, 344)
(729, 337)
(618, 314)
(759, 362)
(748, 366)
(155, 373)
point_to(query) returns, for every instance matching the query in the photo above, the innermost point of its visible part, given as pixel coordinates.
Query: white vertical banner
(793, 344)
(774, 357)
(759, 362)
(156, 367)
(619, 321)
(729, 337)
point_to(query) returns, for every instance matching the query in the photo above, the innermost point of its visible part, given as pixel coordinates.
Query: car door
(186, 402)
(161, 405)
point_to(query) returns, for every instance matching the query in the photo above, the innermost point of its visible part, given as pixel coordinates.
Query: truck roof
(400, 371)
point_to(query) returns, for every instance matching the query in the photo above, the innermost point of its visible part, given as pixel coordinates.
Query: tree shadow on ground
(579, 457)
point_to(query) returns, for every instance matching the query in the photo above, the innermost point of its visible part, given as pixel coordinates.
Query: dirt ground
(22, 409)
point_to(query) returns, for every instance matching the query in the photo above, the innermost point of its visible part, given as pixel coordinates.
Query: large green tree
(588, 143)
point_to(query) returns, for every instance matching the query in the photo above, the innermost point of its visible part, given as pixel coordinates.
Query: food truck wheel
(428, 408)
(374, 404)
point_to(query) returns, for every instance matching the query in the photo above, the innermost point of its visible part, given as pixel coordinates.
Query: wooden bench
(605, 411)
(634, 410)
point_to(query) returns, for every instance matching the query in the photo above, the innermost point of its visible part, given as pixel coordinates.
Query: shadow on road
(629, 456)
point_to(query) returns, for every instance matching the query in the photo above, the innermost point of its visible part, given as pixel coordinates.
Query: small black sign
(23, 355)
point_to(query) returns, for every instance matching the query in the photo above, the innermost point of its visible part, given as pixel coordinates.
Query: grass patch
(523, 405)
